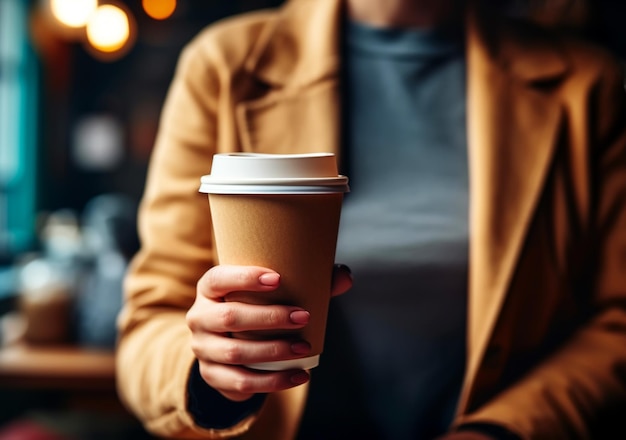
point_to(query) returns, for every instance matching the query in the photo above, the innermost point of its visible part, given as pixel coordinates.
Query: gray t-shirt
(399, 334)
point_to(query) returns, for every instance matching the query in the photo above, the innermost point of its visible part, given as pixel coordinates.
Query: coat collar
(516, 47)
(300, 46)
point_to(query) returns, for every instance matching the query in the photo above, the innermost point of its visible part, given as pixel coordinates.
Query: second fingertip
(269, 279)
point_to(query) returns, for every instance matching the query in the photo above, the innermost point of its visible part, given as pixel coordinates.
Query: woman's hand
(212, 320)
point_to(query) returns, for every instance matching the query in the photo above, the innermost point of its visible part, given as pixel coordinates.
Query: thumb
(342, 280)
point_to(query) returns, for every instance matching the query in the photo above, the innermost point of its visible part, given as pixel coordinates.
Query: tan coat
(548, 220)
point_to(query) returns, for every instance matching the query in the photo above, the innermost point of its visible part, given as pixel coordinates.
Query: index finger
(220, 280)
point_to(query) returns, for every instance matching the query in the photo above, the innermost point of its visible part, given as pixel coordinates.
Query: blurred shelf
(57, 367)
(67, 388)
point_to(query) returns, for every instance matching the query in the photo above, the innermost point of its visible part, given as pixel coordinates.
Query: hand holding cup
(213, 321)
(275, 222)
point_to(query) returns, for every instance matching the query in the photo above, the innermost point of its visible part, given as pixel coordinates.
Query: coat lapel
(297, 59)
(513, 129)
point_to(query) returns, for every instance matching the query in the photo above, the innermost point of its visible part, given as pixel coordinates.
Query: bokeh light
(73, 13)
(159, 9)
(108, 29)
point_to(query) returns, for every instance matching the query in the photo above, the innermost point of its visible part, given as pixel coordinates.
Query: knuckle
(275, 350)
(227, 316)
(223, 278)
(242, 277)
(273, 318)
(273, 381)
(232, 353)
(243, 385)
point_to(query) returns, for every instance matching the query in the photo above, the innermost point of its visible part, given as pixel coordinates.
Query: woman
(490, 242)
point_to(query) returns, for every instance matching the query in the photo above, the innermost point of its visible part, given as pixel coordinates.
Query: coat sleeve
(154, 356)
(564, 396)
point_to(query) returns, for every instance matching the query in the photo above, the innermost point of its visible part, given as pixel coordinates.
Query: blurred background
(81, 88)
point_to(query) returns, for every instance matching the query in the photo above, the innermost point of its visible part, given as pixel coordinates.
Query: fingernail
(300, 317)
(301, 347)
(269, 279)
(300, 378)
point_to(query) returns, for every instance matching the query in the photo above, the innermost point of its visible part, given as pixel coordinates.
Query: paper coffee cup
(281, 212)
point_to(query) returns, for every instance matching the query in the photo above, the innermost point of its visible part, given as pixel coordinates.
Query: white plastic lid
(258, 173)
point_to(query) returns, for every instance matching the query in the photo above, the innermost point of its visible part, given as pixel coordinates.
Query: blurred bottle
(47, 281)
(110, 239)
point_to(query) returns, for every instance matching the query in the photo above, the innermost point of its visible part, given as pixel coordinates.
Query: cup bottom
(299, 364)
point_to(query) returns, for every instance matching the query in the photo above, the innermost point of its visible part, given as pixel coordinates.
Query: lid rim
(273, 189)
(317, 181)
(272, 156)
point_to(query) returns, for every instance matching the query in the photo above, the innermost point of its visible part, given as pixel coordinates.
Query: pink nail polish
(269, 279)
(300, 317)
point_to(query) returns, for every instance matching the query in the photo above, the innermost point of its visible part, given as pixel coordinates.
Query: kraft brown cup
(289, 226)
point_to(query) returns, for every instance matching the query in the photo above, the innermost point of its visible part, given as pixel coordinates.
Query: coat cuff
(210, 410)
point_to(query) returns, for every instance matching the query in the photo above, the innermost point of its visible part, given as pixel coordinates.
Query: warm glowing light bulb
(73, 13)
(108, 29)
(159, 9)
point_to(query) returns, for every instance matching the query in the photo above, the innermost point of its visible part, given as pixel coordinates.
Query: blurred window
(18, 129)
